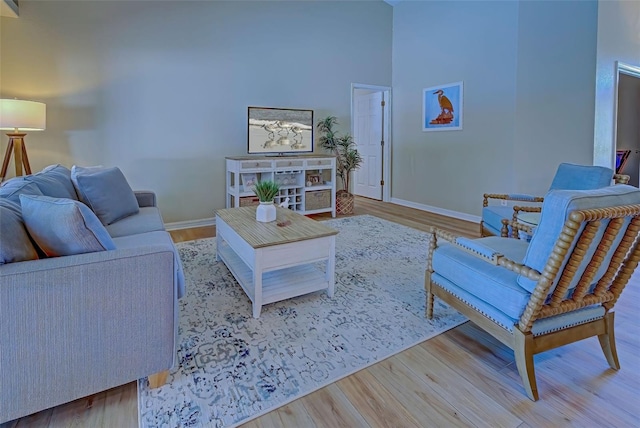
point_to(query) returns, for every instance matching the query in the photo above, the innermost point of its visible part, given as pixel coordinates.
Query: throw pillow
(106, 192)
(15, 244)
(63, 227)
(54, 181)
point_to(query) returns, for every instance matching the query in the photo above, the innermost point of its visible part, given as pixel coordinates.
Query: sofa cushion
(155, 238)
(12, 189)
(54, 181)
(62, 227)
(15, 244)
(557, 206)
(106, 192)
(147, 220)
(495, 285)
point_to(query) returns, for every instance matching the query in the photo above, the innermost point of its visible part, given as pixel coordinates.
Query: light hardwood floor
(463, 377)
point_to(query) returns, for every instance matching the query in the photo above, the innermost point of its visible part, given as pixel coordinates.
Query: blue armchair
(557, 289)
(496, 218)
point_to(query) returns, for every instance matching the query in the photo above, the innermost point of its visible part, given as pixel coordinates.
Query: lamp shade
(23, 115)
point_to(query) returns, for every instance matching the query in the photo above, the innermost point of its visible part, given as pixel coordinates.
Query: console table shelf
(291, 173)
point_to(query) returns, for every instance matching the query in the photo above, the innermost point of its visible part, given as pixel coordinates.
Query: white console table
(293, 173)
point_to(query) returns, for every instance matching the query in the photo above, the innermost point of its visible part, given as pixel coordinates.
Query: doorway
(627, 123)
(370, 127)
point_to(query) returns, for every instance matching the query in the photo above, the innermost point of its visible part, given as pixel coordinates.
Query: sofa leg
(608, 342)
(523, 349)
(158, 379)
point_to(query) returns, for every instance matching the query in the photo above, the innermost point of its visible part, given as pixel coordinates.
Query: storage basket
(317, 199)
(249, 201)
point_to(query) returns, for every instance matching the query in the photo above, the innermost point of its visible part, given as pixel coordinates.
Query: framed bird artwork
(442, 107)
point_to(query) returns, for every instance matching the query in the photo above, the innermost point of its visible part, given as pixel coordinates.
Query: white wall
(161, 89)
(528, 79)
(628, 134)
(618, 40)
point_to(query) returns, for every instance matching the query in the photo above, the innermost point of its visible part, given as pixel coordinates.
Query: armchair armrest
(146, 198)
(518, 227)
(510, 197)
(479, 250)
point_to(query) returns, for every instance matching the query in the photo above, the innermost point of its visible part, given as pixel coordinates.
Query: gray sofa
(78, 324)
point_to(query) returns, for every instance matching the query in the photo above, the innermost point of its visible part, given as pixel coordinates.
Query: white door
(368, 136)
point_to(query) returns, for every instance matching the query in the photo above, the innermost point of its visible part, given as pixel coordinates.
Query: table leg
(257, 288)
(331, 267)
(218, 245)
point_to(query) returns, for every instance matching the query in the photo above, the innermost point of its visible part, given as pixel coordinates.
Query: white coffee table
(275, 262)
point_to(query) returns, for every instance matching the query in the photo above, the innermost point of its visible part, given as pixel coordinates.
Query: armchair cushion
(493, 215)
(557, 205)
(494, 285)
(581, 177)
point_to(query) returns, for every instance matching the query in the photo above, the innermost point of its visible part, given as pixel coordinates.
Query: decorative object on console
(265, 191)
(347, 160)
(20, 116)
(279, 130)
(442, 107)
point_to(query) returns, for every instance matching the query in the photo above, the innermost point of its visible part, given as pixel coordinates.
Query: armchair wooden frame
(606, 292)
(506, 222)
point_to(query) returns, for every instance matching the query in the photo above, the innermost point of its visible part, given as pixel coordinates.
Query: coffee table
(277, 260)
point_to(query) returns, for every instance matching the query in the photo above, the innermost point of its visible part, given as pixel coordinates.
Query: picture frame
(273, 130)
(314, 179)
(248, 181)
(442, 107)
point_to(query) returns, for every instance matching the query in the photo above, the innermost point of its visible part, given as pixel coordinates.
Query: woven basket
(344, 203)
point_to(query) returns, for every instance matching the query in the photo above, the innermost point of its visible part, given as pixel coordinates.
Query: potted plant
(265, 191)
(347, 160)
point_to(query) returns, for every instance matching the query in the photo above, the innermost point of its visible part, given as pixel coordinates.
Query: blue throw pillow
(106, 192)
(63, 227)
(15, 243)
(54, 181)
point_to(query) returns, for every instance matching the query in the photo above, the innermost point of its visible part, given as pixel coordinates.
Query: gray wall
(528, 72)
(161, 89)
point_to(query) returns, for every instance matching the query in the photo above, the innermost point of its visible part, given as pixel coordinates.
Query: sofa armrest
(146, 198)
(76, 325)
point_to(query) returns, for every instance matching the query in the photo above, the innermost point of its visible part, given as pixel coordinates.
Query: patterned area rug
(233, 368)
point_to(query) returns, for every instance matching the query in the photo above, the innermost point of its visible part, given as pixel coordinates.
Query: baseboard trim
(177, 225)
(437, 210)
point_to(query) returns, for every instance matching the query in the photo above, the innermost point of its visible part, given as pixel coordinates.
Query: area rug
(232, 368)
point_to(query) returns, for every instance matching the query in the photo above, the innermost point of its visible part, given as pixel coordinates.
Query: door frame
(630, 70)
(386, 153)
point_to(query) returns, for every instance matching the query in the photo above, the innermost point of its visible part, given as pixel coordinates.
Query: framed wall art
(442, 107)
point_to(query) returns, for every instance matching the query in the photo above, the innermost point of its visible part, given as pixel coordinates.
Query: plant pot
(344, 203)
(266, 212)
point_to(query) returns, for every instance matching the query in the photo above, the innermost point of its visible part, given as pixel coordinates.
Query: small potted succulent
(266, 190)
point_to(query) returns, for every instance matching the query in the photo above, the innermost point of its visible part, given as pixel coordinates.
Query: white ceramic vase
(266, 212)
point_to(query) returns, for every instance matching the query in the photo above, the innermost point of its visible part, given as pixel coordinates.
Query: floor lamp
(20, 116)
